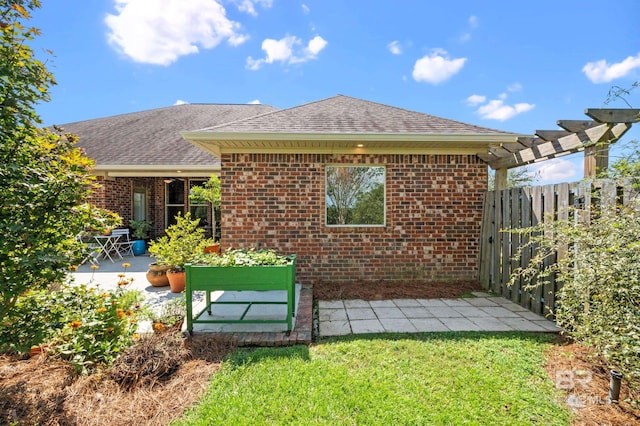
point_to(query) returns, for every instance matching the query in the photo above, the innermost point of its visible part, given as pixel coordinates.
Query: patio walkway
(480, 313)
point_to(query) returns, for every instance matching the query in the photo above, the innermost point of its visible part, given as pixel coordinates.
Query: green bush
(243, 257)
(184, 243)
(81, 324)
(599, 301)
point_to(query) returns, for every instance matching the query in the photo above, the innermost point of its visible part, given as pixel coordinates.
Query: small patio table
(107, 245)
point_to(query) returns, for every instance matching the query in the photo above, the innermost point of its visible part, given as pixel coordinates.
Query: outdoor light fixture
(360, 145)
(168, 180)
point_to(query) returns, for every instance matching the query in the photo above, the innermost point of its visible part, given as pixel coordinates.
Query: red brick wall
(433, 215)
(116, 194)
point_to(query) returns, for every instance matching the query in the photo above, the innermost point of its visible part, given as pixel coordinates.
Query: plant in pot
(141, 230)
(208, 193)
(184, 243)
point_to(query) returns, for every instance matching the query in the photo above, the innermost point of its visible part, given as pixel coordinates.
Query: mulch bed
(43, 391)
(380, 290)
(585, 384)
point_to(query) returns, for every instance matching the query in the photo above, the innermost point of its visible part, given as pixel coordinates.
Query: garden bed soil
(585, 384)
(46, 392)
(382, 290)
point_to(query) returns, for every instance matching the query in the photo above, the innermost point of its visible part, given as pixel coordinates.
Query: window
(199, 208)
(174, 197)
(139, 204)
(355, 196)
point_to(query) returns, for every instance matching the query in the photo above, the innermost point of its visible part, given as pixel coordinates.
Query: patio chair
(92, 250)
(124, 244)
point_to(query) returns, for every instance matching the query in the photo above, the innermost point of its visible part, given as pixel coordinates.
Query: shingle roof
(346, 115)
(152, 137)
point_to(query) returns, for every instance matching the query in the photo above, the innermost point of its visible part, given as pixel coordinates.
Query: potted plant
(208, 193)
(141, 230)
(184, 243)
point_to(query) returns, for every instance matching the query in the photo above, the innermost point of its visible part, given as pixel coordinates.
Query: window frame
(355, 225)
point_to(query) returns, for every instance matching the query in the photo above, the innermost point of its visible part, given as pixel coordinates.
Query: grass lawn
(438, 378)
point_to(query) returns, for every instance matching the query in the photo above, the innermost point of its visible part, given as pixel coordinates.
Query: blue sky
(511, 65)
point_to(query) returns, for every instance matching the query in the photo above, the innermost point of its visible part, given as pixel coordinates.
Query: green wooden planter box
(240, 278)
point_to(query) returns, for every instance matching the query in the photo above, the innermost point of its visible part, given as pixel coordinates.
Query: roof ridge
(145, 111)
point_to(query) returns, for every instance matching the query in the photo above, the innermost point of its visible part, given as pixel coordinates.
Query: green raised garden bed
(210, 278)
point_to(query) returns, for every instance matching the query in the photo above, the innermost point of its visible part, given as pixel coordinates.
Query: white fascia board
(209, 137)
(130, 170)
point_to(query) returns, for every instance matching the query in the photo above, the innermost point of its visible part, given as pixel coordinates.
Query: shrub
(81, 324)
(184, 243)
(242, 257)
(599, 301)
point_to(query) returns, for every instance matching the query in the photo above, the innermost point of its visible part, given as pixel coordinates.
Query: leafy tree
(369, 208)
(516, 178)
(344, 187)
(44, 179)
(208, 193)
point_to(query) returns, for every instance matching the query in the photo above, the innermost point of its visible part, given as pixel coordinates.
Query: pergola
(591, 136)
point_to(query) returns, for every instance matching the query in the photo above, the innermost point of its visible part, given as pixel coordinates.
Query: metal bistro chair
(123, 244)
(92, 251)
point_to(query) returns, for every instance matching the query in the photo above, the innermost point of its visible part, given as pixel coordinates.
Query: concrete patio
(480, 313)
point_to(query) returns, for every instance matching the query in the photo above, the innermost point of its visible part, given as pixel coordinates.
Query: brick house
(144, 167)
(281, 171)
(279, 168)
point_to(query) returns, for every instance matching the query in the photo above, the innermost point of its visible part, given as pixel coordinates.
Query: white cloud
(180, 102)
(254, 102)
(474, 100)
(556, 170)
(288, 51)
(248, 6)
(394, 47)
(603, 72)
(497, 110)
(502, 96)
(160, 32)
(305, 9)
(473, 24)
(436, 67)
(315, 46)
(515, 87)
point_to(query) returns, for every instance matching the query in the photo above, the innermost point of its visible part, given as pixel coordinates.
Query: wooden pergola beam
(612, 115)
(607, 126)
(575, 126)
(552, 135)
(542, 150)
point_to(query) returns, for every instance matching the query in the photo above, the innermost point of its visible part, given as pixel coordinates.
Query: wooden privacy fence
(524, 207)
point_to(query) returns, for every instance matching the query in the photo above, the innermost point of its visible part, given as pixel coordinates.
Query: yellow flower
(105, 295)
(129, 313)
(158, 326)
(120, 313)
(75, 323)
(73, 267)
(94, 267)
(126, 265)
(132, 321)
(135, 336)
(101, 310)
